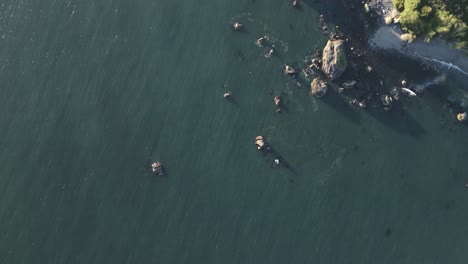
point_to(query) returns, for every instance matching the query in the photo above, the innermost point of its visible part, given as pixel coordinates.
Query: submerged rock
(237, 26)
(349, 84)
(334, 61)
(395, 94)
(157, 168)
(261, 42)
(366, 8)
(386, 100)
(277, 100)
(318, 87)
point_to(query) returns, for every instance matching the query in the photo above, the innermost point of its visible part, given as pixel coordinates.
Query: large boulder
(334, 61)
(318, 87)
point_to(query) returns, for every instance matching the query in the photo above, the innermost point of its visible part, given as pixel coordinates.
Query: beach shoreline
(388, 37)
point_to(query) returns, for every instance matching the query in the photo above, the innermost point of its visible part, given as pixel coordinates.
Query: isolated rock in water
(277, 100)
(362, 104)
(318, 87)
(462, 117)
(334, 61)
(237, 26)
(259, 142)
(386, 100)
(289, 70)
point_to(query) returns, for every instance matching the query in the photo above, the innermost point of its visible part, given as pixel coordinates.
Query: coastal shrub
(410, 19)
(426, 11)
(399, 4)
(430, 18)
(462, 45)
(411, 4)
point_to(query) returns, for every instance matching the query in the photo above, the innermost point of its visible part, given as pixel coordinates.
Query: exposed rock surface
(318, 87)
(462, 117)
(334, 61)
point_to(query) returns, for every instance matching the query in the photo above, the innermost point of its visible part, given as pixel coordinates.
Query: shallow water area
(93, 93)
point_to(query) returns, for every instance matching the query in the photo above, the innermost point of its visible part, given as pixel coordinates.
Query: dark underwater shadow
(399, 120)
(231, 100)
(271, 154)
(349, 15)
(299, 7)
(243, 30)
(341, 105)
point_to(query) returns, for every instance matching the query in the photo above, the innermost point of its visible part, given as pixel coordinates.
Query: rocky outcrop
(318, 87)
(334, 61)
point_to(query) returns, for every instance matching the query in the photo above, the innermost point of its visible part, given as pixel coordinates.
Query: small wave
(449, 65)
(421, 87)
(273, 42)
(282, 43)
(336, 164)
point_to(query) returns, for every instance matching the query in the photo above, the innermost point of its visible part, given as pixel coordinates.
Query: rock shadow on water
(349, 15)
(231, 100)
(340, 105)
(399, 120)
(272, 154)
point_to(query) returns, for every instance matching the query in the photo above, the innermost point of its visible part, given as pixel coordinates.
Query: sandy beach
(436, 51)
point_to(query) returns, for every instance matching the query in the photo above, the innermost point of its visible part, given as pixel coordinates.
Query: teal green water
(93, 91)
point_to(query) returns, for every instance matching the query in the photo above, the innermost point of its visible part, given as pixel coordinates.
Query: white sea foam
(421, 87)
(449, 65)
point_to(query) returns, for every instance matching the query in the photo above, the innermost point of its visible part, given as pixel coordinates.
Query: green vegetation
(428, 18)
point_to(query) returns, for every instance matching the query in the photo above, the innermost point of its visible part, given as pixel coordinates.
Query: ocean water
(93, 91)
